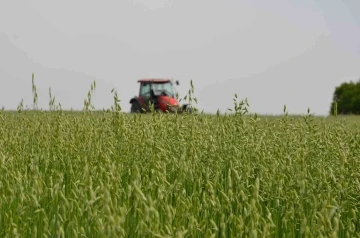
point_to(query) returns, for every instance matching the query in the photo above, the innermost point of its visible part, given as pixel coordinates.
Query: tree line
(346, 99)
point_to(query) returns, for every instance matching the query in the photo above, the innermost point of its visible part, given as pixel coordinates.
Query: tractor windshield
(164, 88)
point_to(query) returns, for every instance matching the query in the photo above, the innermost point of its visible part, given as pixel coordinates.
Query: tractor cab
(157, 88)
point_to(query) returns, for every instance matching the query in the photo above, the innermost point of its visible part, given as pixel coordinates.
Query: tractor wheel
(135, 107)
(187, 109)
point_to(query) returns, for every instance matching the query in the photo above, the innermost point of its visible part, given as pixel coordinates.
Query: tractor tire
(135, 107)
(187, 109)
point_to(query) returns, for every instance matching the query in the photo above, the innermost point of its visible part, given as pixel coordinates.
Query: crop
(109, 174)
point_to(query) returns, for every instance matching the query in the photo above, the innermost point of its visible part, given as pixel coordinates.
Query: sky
(274, 53)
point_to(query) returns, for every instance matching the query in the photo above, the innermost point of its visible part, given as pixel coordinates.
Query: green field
(109, 174)
(116, 175)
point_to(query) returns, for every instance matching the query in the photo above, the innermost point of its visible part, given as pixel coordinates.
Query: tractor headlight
(172, 108)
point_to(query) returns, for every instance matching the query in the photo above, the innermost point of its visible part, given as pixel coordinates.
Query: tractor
(159, 93)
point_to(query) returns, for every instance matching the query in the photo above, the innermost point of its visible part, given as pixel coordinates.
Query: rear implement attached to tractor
(158, 94)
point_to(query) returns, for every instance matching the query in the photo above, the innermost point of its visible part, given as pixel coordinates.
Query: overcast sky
(272, 52)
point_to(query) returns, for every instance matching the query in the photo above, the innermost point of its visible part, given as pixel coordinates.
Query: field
(109, 174)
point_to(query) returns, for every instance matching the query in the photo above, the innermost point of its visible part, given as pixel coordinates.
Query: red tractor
(157, 92)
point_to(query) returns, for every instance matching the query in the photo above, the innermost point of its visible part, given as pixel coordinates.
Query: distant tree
(347, 98)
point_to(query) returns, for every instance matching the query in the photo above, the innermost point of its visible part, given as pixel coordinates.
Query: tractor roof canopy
(154, 80)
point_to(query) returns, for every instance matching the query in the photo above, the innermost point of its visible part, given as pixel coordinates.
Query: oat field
(107, 174)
